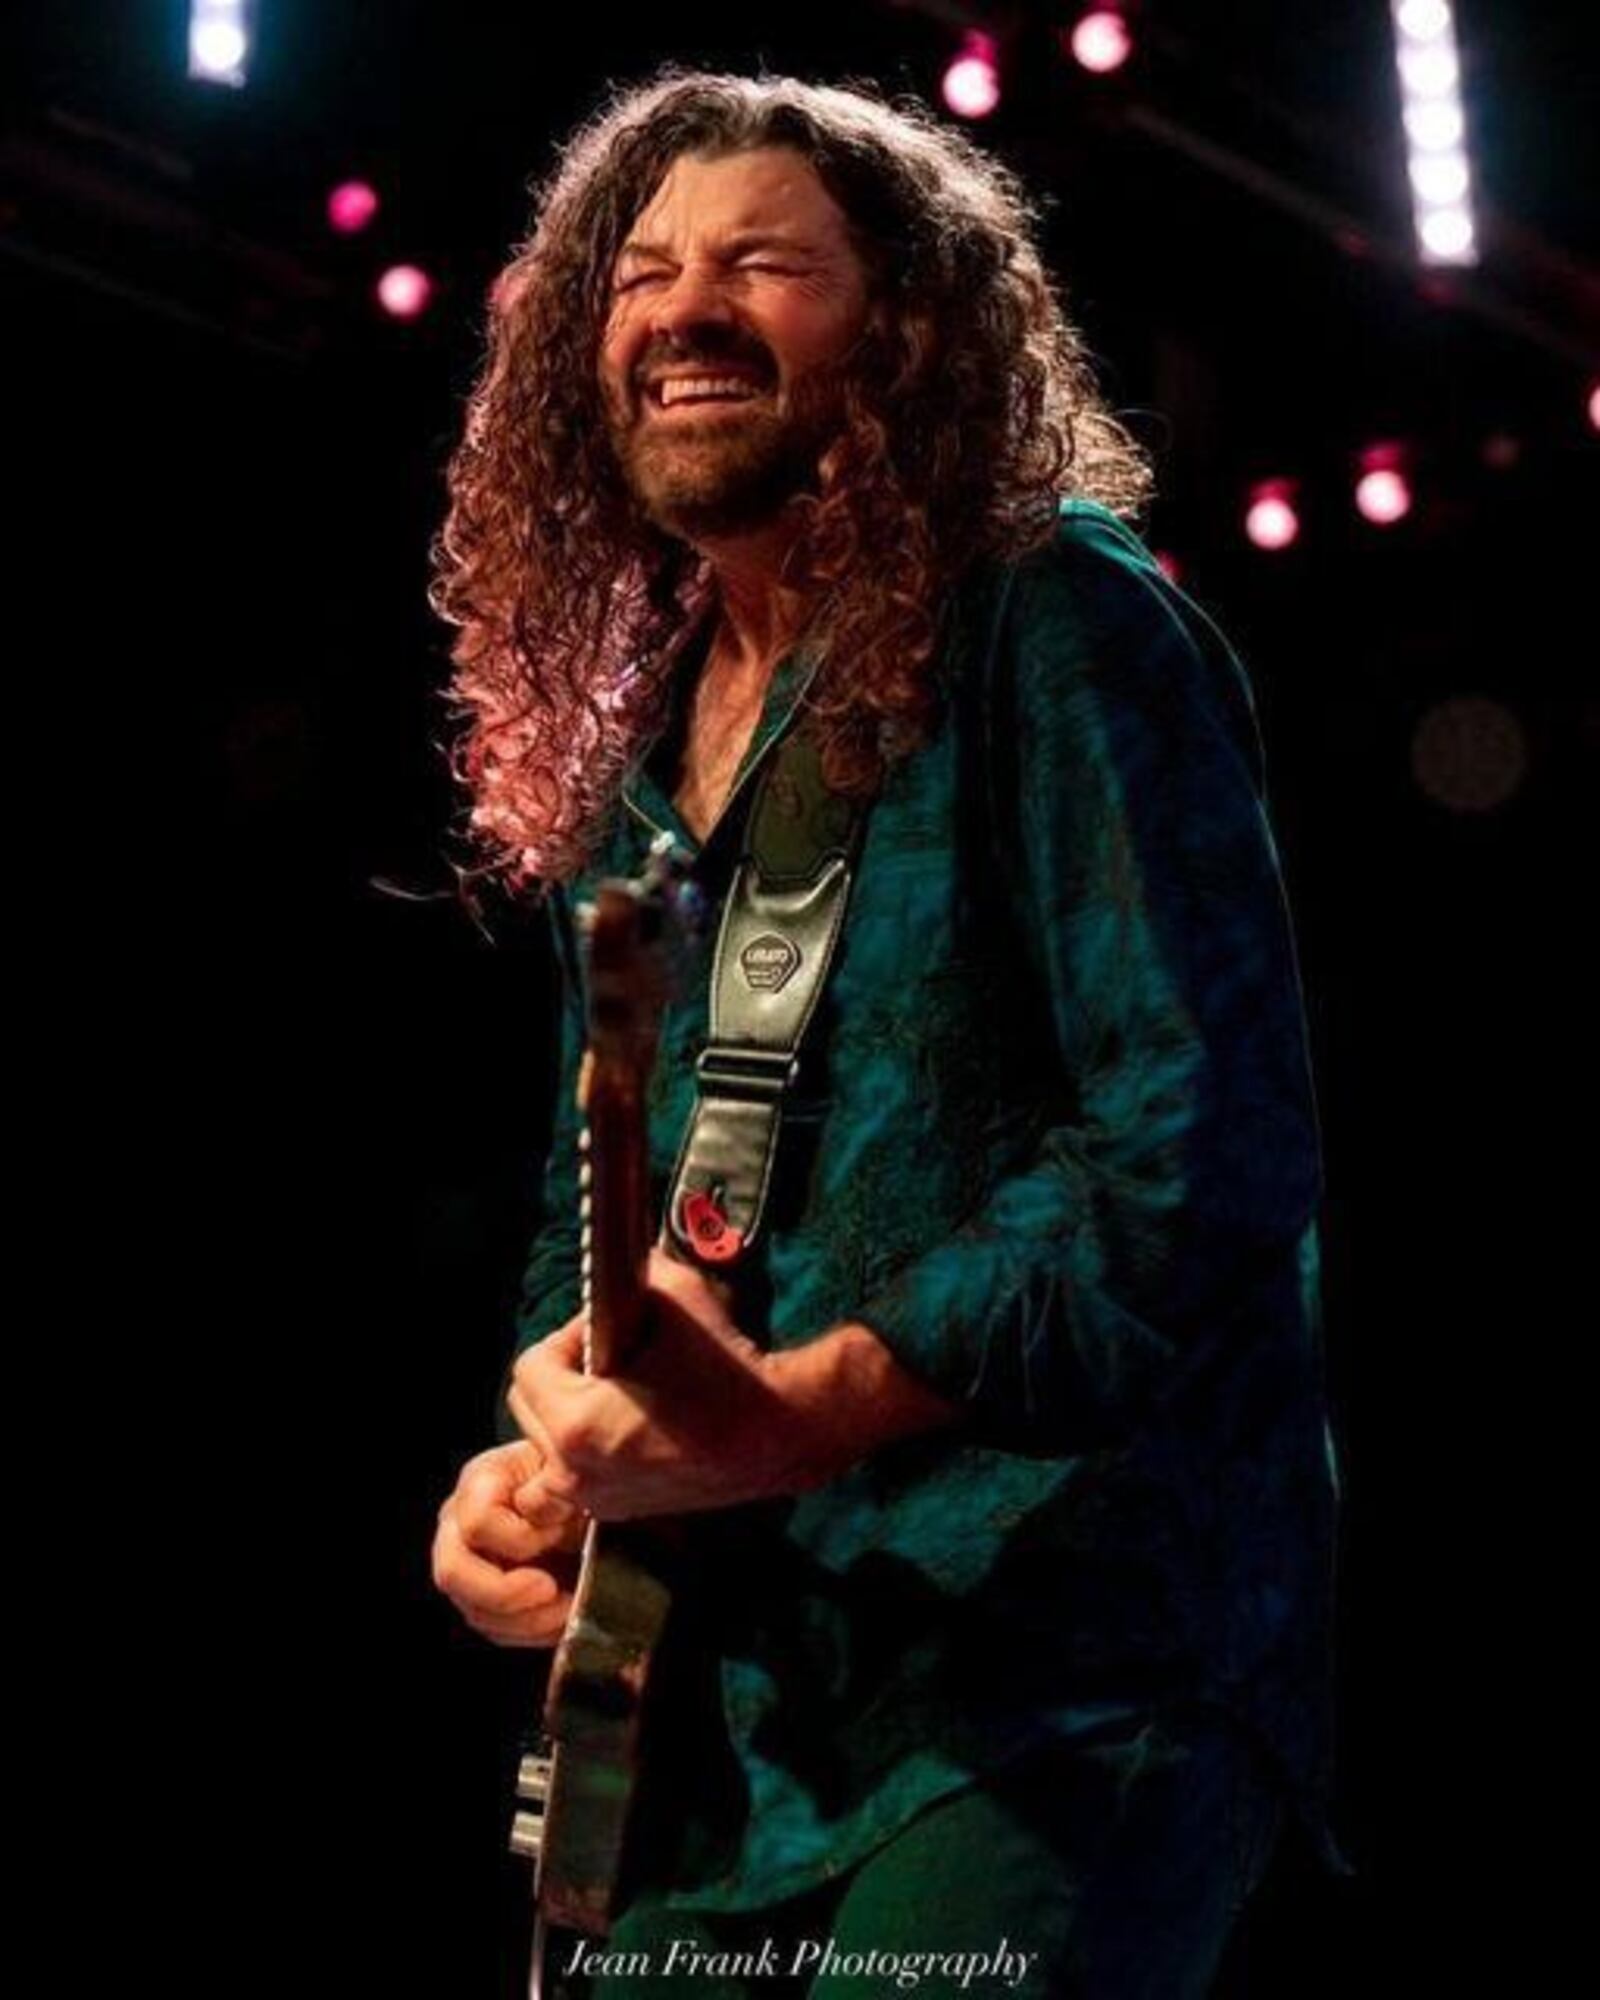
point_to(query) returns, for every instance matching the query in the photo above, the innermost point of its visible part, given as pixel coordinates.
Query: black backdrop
(292, 1121)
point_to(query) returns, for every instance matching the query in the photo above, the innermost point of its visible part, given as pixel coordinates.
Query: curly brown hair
(965, 418)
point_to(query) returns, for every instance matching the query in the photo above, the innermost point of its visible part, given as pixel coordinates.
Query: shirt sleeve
(1166, 1208)
(551, 1284)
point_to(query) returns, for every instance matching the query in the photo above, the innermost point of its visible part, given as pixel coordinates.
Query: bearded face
(736, 302)
(714, 453)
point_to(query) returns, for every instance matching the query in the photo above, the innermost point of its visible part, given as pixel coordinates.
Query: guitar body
(593, 1715)
(577, 1786)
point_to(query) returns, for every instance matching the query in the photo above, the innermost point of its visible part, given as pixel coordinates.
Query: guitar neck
(628, 980)
(619, 1229)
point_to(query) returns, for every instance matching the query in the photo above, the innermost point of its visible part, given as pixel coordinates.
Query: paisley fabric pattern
(1055, 1141)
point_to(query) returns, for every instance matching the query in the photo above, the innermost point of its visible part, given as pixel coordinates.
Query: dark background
(293, 1120)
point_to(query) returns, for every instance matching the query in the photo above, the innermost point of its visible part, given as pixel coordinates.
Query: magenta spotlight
(351, 206)
(1101, 41)
(404, 291)
(1594, 407)
(972, 82)
(1270, 520)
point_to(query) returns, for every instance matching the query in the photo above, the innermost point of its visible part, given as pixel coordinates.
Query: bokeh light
(1271, 520)
(404, 291)
(1101, 41)
(1469, 754)
(972, 82)
(1383, 495)
(351, 206)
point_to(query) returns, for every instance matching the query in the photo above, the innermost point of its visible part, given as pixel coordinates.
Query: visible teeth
(702, 385)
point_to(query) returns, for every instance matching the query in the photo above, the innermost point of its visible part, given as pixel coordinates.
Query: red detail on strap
(709, 1230)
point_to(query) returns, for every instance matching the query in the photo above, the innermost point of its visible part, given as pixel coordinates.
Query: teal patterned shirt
(1054, 1140)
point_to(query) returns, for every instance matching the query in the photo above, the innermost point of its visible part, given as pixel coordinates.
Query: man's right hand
(507, 1572)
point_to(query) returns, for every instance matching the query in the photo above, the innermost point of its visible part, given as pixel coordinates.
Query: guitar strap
(782, 918)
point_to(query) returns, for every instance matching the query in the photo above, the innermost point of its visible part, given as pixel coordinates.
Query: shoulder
(1094, 577)
(1092, 619)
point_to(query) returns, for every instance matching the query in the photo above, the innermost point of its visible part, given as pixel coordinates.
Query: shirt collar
(644, 795)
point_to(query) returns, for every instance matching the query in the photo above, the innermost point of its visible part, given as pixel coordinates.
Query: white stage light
(1438, 163)
(1434, 125)
(219, 41)
(1447, 236)
(1422, 20)
(1429, 70)
(1441, 179)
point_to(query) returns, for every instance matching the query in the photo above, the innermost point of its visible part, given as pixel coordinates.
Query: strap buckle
(741, 1071)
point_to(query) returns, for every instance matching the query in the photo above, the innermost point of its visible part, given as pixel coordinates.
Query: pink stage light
(972, 82)
(1594, 406)
(1383, 496)
(1270, 520)
(1383, 490)
(404, 291)
(1101, 41)
(351, 206)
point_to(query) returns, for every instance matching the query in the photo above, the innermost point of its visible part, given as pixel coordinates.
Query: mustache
(709, 345)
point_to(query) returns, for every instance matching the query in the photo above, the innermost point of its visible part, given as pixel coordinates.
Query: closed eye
(634, 279)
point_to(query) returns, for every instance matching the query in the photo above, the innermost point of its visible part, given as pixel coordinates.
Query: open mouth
(701, 392)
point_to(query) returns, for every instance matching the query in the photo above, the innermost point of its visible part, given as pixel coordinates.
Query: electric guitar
(576, 1785)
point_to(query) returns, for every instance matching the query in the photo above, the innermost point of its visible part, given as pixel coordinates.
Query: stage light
(1434, 125)
(1101, 41)
(1441, 179)
(1594, 406)
(1422, 20)
(1271, 521)
(1385, 489)
(1436, 131)
(404, 291)
(1383, 495)
(1429, 72)
(972, 82)
(219, 41)
(1447, 236)
(351, 206)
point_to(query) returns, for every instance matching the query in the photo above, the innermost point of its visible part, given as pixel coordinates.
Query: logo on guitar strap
(768, 962)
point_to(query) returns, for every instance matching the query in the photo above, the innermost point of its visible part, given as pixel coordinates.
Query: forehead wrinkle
(782, 199)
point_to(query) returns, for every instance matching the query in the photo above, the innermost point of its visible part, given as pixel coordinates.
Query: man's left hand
(704, 1417)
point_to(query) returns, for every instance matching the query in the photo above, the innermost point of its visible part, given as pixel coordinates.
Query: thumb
(565, 1345)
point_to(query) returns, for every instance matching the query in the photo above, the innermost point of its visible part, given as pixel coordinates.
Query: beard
(733, 469)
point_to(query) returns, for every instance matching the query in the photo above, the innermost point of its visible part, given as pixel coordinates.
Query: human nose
(693, 296)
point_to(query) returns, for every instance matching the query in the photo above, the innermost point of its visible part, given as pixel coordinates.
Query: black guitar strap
(782, 918)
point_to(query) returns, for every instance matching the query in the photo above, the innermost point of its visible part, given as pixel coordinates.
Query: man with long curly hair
(1010, 1642)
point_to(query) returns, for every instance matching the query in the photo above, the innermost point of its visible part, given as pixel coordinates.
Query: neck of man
(758, 613)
